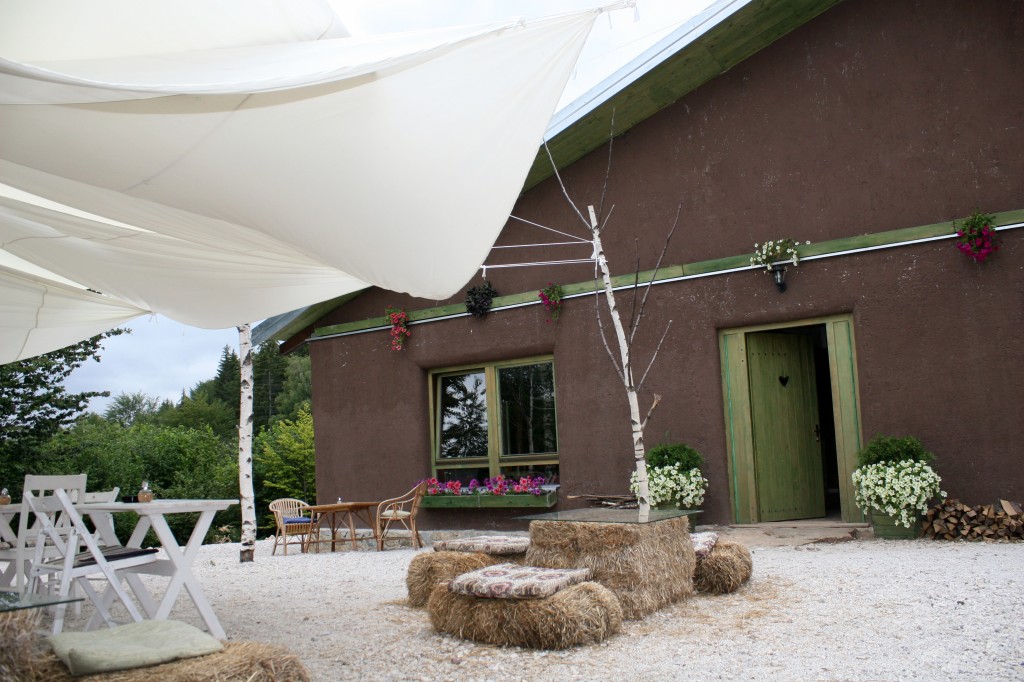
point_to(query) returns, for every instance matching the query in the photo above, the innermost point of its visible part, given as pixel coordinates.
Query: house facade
(864, 127)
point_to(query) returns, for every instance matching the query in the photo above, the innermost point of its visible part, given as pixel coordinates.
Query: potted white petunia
(895, 484)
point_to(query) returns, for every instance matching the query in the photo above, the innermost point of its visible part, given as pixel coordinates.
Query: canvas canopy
(223, 162)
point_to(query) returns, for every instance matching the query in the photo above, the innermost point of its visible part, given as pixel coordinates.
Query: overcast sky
(162, 358)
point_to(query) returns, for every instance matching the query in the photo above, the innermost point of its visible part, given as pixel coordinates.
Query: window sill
(548, 499)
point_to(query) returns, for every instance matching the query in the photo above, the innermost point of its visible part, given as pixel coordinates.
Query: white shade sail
(224, 162)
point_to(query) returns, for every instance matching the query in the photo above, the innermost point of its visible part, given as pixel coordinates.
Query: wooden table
(335, 515)
(177, 567)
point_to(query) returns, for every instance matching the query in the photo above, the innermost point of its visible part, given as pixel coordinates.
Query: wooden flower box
(477, 501)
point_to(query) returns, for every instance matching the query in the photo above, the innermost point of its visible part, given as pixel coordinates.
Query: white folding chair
(19, 556)
(76, 567)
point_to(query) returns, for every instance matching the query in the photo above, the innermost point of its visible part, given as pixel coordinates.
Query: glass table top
(605, 515)
(12, 601)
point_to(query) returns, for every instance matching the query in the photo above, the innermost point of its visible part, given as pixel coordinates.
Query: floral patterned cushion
(703, 543)
(512, 581)
(488, 544)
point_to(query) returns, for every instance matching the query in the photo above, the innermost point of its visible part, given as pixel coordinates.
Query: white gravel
(859, 610)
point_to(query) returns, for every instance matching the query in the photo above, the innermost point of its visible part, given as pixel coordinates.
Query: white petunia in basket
(775, 250)
(672, 484)
(900, 489)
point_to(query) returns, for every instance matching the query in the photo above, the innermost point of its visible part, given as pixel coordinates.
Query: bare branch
(633, 322)
(608, 170)
(565, 191)
(600, 326)
(654, 357)
(657, 399)
(643, 302)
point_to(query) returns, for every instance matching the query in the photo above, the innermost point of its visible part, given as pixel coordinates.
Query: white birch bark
(245, 486)
(636, 424)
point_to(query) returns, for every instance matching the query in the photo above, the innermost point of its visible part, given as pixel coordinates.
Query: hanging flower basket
(551, 298)
(976, 236)
(399, 320)
(479, 299)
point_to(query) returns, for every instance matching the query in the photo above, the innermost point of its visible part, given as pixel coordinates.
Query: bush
(668, 454)
(889, 449)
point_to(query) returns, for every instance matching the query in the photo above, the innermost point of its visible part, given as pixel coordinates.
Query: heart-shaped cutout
(783, 380)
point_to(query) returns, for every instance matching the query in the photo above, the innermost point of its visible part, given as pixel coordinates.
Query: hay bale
(239, 662)
(646, 565)
(727, 566)
(581, 614)
(20, 645)
(428, 569)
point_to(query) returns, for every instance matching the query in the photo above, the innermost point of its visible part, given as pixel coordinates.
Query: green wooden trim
(842, 360)
(739, 426)
(548, 499)
(826, 248)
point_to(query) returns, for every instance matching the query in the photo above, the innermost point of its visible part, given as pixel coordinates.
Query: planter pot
(885, 526)
(548, 499)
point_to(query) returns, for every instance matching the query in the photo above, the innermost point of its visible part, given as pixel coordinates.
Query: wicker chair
(293, 525)
(400, 511)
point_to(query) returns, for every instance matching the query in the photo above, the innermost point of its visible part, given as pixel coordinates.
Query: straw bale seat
(525, 606)
(429, 569)
(26, 657)
(722, 566)
(499, 545)
(647, 565)
(452, 558)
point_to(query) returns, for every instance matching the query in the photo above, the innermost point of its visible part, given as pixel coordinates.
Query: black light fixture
(779, 275)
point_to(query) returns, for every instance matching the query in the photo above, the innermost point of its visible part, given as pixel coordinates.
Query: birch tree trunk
(636, 423)
(245, 487)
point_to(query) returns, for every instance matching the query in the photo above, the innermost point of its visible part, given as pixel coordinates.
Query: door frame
(739, 431)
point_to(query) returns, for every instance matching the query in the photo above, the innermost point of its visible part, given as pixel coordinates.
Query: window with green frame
(494, 418)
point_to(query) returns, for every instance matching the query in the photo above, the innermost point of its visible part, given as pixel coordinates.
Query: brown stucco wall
(875, 116)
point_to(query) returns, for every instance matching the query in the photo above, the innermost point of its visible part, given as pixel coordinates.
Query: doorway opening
(792, 420)
(819, 411)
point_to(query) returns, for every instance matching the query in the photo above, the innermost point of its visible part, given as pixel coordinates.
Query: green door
(784, 415)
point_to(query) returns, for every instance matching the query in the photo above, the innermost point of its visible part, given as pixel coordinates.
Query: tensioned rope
(576, 241)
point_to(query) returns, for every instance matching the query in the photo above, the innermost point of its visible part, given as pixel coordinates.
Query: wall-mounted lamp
(779, 275)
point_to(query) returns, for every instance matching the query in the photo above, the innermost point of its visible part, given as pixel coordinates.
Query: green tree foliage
(227, 385)
(888, 449)
(131, 408)
(285, 455)
(202, 408)
(285, 462)
(178, 462)
(34, 405)
(667, 454)
(269, 370)
(298, 385)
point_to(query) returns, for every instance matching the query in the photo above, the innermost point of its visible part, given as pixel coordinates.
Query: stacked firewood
(954, 520)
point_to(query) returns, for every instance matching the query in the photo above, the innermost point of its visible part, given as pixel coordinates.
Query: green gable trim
(718, 266)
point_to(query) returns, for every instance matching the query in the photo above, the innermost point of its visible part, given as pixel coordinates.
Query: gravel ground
(858, 610)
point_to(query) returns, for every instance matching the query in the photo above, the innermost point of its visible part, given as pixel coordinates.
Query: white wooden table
(178, 564)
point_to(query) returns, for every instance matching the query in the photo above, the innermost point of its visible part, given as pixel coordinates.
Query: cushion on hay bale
(703, 543)
(428, 569)
(488, 544)
(646, 565)
(512, 581)
(239, 662)
(584, 613)
(727, 566)
(131, 646)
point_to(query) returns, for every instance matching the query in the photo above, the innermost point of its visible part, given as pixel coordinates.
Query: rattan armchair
(293, 524)
(400, 511)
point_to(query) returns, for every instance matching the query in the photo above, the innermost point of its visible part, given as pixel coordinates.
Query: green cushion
(131, 646)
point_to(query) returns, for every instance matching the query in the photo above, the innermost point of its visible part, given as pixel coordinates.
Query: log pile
(954, 520)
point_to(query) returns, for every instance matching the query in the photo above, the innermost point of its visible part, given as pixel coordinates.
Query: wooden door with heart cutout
(784, 415)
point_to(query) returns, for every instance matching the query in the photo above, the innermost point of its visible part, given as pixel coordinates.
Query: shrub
(668, 454)
(888, 449)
